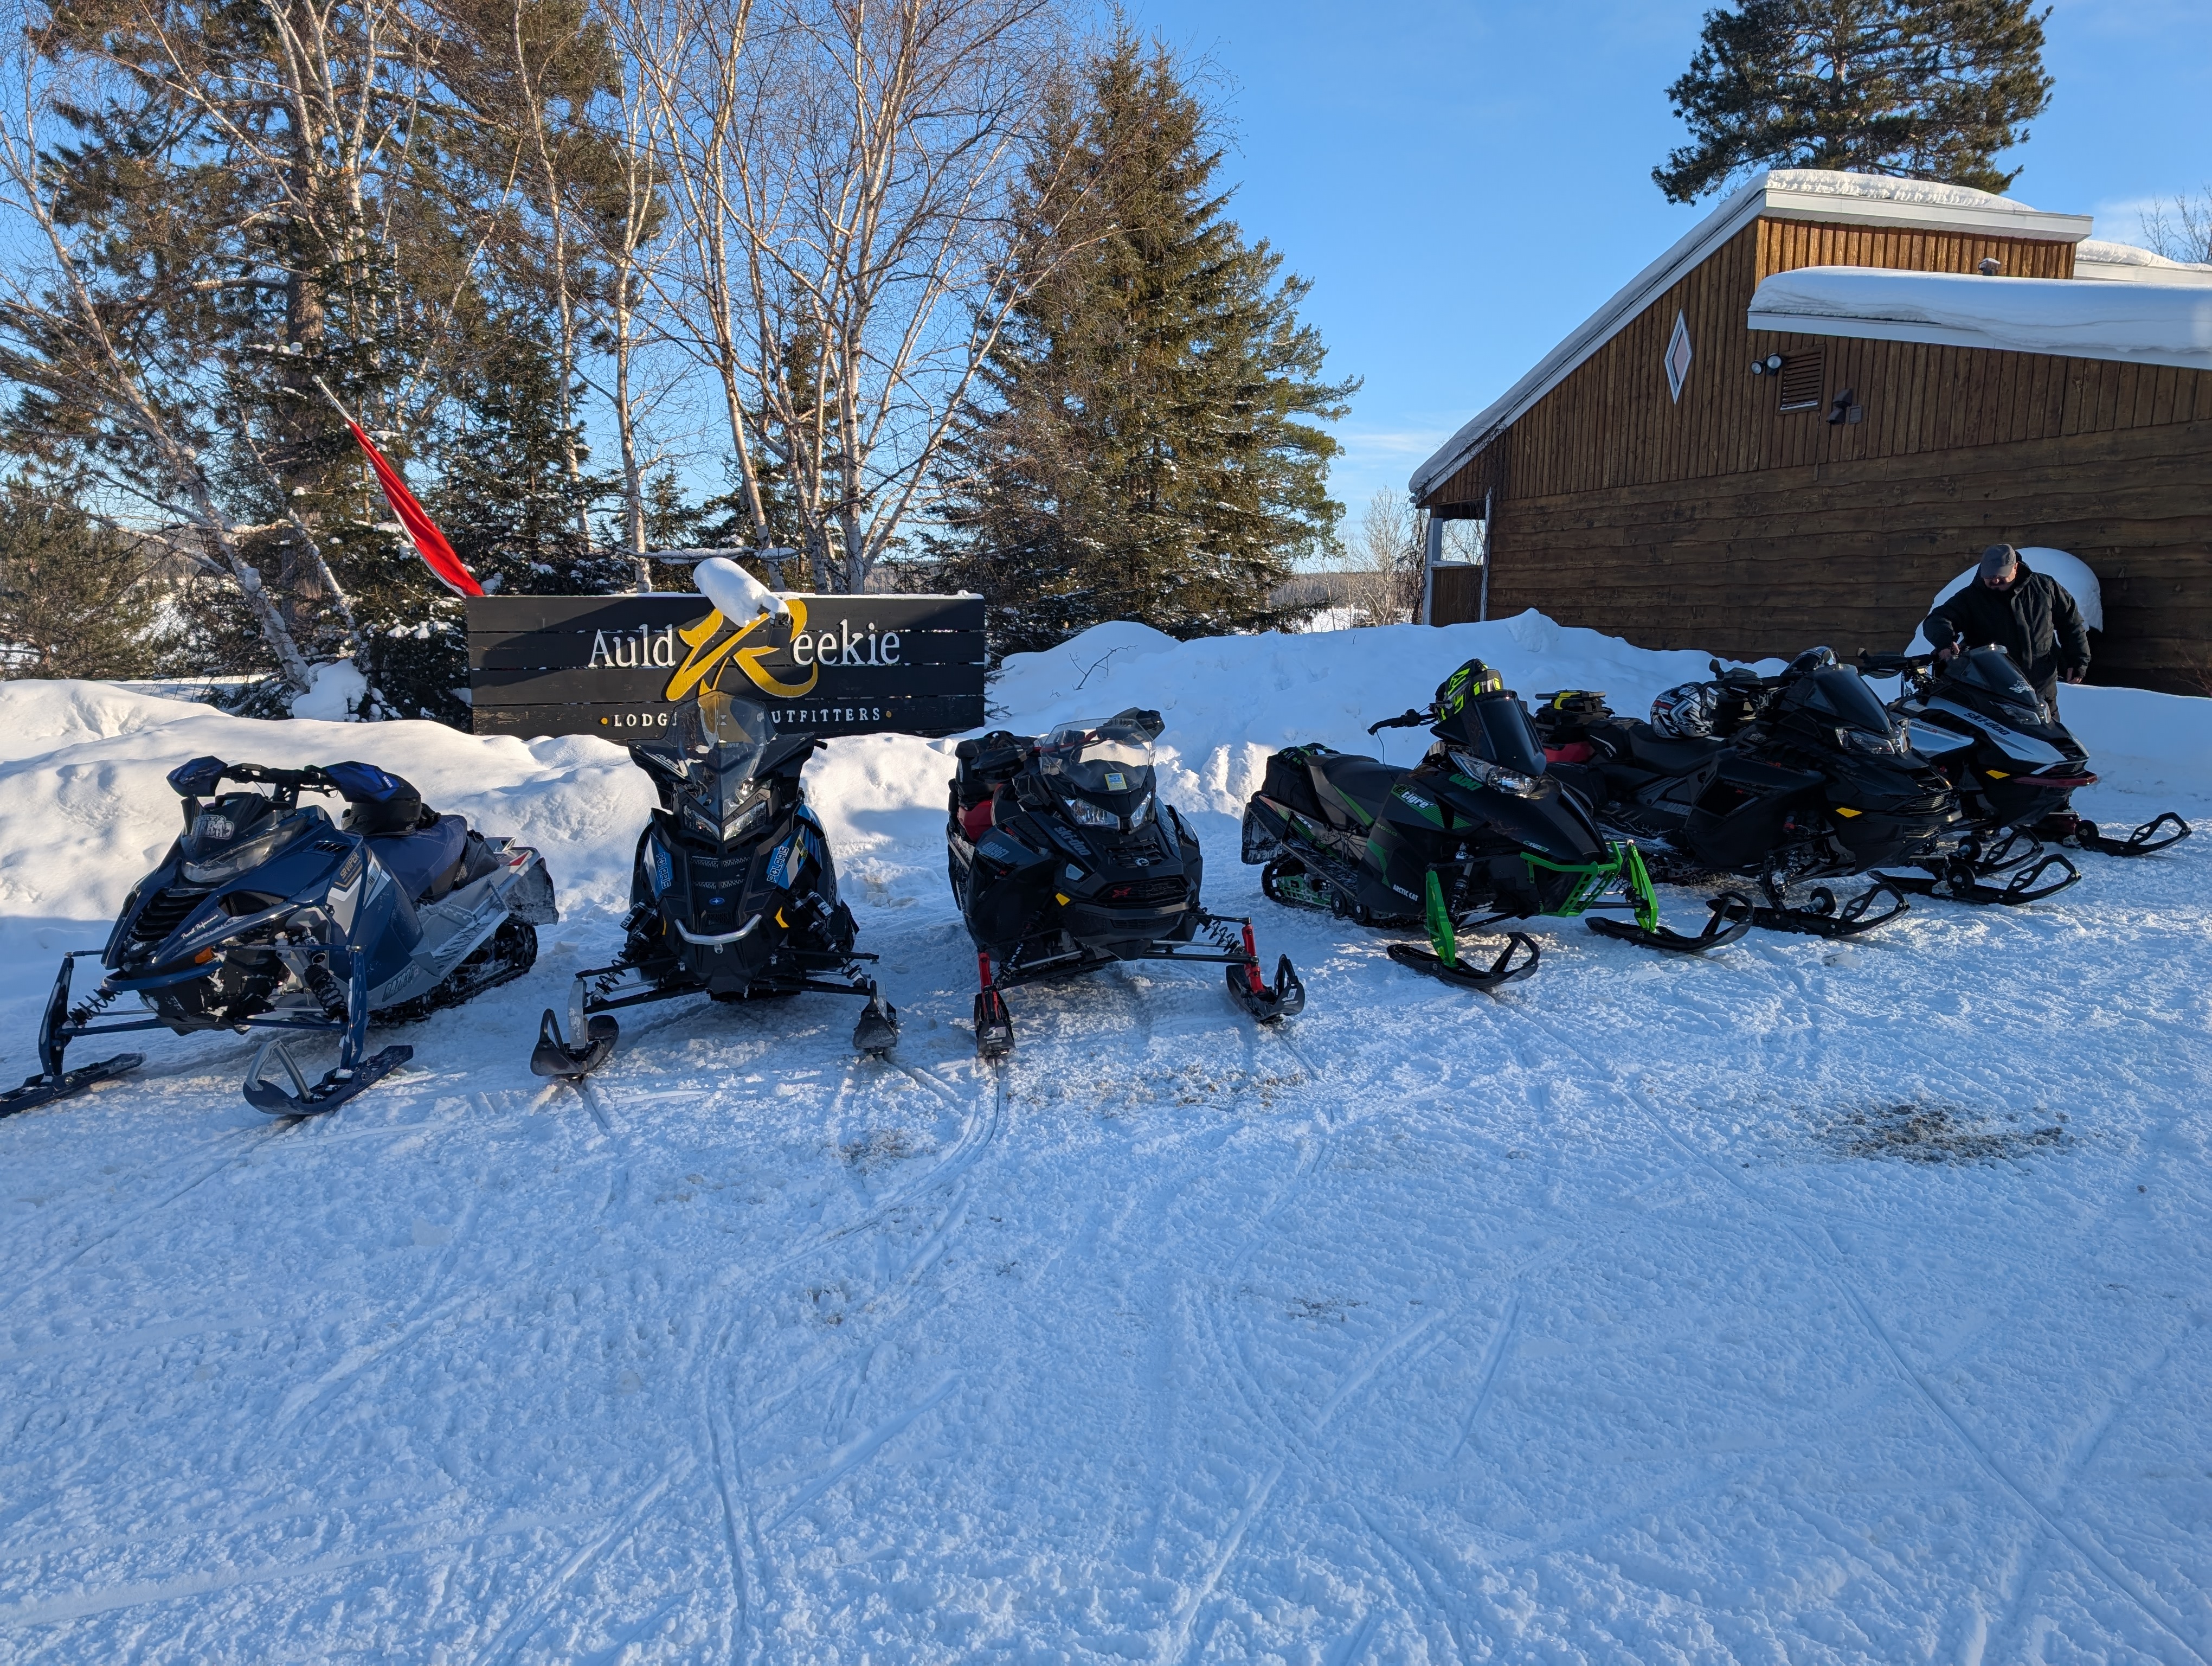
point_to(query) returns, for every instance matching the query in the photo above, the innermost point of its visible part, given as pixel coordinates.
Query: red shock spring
(1252, 961)
(983, 967)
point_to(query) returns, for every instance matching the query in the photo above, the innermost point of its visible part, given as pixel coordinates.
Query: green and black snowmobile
(1475, 834)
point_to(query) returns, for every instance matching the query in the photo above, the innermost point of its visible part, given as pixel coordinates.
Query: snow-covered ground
(1811, 1303)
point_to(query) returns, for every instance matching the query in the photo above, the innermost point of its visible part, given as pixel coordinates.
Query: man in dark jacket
(2028, 614)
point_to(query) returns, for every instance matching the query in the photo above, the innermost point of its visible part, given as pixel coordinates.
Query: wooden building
(1730, 459)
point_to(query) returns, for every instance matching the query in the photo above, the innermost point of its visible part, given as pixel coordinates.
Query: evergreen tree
(1136, 452)
(1929, 88)
(76, 599)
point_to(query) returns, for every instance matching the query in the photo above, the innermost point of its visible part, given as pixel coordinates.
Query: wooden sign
(621, 667)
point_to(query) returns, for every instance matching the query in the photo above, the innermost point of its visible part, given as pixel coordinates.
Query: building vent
(1801, 375)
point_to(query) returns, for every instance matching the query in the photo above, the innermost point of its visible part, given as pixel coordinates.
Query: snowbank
(84, 810)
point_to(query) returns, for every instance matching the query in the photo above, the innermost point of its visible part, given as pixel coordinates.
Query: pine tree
(76, 599)
(1929, 88)
(1138, 452)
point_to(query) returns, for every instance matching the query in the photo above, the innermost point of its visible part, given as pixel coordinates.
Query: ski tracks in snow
(2116, 1573)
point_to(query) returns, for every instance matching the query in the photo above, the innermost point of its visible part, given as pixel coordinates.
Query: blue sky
(1464, 183)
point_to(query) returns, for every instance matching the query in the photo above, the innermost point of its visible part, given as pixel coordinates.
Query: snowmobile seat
(1656, 751)
(1364, 780)
(423, 862)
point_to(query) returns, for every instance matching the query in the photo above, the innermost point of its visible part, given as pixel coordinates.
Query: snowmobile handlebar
(203, 775)
(1893, 664)
(1412, 720)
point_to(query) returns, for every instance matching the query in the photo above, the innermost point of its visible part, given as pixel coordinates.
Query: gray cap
(1999, 558)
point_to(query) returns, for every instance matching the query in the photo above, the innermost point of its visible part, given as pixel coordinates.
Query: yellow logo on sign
(704, 664)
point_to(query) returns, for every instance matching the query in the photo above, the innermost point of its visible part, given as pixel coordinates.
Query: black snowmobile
(732, 893)
(1065, 859)
(2016, 766)
(1782, 780)
(265, 915)
(1478, 832)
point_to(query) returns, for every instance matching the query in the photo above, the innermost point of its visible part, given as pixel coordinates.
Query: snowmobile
(1476, 833)
(1065, 859)
(1782, 780)
(265, 915)
(732, 892)
(2014, 765)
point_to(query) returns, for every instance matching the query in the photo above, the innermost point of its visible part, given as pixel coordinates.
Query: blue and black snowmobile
(267, 915)
(732, 893)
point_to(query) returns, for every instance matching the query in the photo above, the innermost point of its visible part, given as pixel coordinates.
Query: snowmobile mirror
(1150, 724)
(198, 778)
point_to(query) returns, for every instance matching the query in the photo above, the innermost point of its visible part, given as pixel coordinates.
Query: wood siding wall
(1851, 553)
(1690, 524)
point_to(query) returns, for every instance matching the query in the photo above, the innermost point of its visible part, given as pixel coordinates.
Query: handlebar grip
(1412, 720)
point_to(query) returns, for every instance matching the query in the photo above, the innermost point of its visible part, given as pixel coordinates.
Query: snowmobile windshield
(733, 730)
(727, 736)
(1495, 728)
(1990, 671)
(1109, 760)
(1838, 692)
(238, 832)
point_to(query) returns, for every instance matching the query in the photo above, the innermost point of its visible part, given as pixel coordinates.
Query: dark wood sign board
(620, 666)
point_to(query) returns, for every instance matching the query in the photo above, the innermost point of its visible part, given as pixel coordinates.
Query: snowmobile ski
(1822, 917)
(44, 1089)
(336, 1086)
(876, 1033)
(1441, 959)
(1460, 973)
(994, 1023)
(1960, 881)
(555, 1056)
(1732, 917)
(2143, 841)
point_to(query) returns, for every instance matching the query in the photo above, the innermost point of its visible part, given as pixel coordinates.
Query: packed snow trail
(1818, 1302)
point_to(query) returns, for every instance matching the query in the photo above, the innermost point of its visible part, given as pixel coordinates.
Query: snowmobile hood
(175, 917)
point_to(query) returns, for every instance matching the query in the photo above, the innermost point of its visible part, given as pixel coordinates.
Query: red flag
(429, 543)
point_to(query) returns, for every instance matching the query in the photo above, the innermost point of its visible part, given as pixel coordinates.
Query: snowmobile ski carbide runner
(264, 915)
(732, 893)
(1065, 859)
(1475, 834)
(1782, 780)
(2014, 763)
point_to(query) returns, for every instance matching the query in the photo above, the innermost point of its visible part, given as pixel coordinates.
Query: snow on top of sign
(2134, 323)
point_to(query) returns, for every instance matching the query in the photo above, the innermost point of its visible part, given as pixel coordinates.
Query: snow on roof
(2124, 263)
(2134, 323)
(1790, 194)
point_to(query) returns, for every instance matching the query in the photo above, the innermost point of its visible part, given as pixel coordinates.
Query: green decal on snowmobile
(1445, 939)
